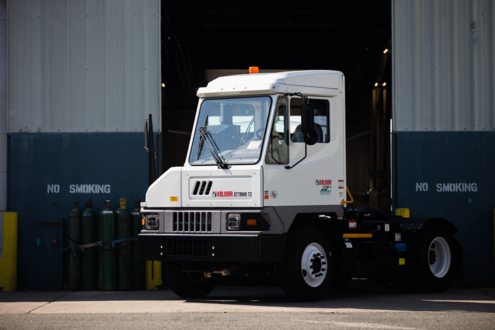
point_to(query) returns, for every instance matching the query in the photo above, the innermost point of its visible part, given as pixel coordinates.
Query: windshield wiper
(201, 139)
(205, 136)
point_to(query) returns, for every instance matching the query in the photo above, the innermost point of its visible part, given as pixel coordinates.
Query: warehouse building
(444, 120)
(82, 76)
(78, 78)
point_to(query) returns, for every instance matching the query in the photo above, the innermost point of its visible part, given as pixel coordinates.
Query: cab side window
(321, 110)
(278, 147)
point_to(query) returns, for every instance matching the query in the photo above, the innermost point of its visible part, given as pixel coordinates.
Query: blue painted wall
(425, 162)
(38, 164)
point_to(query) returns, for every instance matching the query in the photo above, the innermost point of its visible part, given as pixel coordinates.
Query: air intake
(202, 188)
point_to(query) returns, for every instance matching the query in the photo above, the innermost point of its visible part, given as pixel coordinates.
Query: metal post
(151, 153)
(372, 138)
(153, 274)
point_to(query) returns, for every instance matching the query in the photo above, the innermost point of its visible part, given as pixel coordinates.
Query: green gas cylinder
(90, 255)
(124, 249)
(137, 225)
(75, 267)
(108, 257)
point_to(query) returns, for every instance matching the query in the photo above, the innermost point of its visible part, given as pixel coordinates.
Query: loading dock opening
(352, 37)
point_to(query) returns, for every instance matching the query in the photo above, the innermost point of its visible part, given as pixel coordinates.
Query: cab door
(296, 174)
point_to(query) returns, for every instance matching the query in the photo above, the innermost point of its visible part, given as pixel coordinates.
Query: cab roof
(314, 82)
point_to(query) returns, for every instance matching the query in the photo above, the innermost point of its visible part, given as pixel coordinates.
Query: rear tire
(436, 260)
(307, 272)
(188, 285)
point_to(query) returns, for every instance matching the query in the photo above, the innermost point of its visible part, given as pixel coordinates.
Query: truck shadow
(358, 296)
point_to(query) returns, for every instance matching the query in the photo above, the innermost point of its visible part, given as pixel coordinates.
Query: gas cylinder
(136, 229)
(90, 255)
(75, 267)
(124, 249)
(108, 257)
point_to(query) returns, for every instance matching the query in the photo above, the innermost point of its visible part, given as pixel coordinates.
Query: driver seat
(299, 137)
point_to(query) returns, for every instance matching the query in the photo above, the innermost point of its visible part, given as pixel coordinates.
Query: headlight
(152, 222)
(247, 222)
(233, 221)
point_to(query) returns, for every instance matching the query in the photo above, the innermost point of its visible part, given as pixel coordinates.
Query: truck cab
(263, 186)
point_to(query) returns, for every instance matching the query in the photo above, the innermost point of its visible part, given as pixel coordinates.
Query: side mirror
(308, 124)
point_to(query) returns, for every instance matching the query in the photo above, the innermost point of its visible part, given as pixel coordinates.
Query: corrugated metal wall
(83, 65)
(443, 65)
(444, 121)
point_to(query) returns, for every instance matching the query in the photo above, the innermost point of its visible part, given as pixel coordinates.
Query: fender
(412, 229)
(418, 224)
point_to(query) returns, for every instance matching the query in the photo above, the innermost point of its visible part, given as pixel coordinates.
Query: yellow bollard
(153, 275)
(404, 212)
(8, 265)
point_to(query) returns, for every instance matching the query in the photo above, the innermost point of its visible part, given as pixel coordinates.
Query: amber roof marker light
(254, 69)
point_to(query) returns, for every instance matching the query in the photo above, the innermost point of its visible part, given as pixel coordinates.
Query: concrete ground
(360, 306)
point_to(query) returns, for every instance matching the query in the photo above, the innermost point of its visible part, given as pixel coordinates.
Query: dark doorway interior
(349, 36)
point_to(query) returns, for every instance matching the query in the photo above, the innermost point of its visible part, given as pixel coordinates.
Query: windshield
(230, 131)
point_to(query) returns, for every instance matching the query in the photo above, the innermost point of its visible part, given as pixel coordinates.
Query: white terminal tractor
(263, 193)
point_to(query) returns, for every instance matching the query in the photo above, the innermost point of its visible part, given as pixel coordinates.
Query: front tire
(188, 285)
(308, 267)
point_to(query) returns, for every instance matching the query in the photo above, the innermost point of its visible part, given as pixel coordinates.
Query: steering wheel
(259, 133)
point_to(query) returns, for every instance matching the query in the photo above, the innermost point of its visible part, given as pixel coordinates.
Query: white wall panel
(3, 114)
(443, 65)
(83, 65)
(78, 64)
(97, 115)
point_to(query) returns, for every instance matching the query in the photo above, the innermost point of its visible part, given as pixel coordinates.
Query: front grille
(191, 222)
(186, 247)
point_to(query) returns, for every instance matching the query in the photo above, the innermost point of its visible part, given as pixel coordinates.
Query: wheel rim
(314, 265)
(197, 278)
(439, 257)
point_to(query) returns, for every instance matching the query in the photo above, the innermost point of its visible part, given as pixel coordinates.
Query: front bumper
(225, 248)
